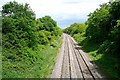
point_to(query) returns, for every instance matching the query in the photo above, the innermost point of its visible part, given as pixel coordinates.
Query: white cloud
(62, 9)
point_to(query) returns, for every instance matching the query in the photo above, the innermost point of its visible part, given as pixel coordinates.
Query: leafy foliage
(47, 23)
(75, 29)
(98, 23)
(18, 24)
(28, 49)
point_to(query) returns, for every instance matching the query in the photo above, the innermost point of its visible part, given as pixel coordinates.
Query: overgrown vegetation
(0, 45)
(101, 38)
(29, 44)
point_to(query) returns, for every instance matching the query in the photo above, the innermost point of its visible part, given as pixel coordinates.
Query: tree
(48, 23)
(99, 23)
(75, 28)
(18, 25)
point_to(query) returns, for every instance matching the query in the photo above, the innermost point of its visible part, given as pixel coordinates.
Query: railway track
(72, 62)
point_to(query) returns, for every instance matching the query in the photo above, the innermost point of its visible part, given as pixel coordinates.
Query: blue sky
(65, 12)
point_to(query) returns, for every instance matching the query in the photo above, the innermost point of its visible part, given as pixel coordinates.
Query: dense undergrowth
(29, 45)
(37, 63)
(100, 37)
(0, 45)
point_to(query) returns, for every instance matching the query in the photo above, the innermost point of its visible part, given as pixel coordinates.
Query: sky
(64, 12)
